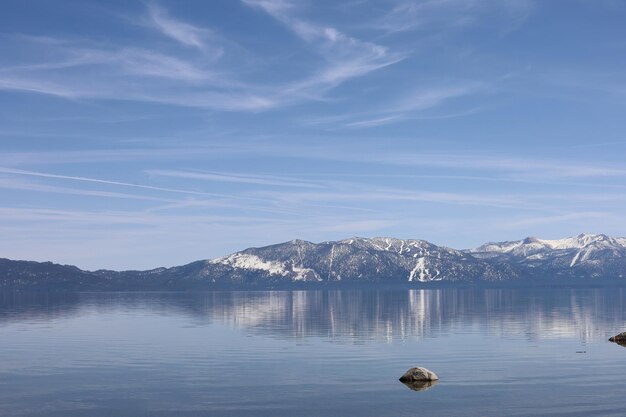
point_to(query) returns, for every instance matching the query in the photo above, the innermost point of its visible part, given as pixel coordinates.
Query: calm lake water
(315, 353)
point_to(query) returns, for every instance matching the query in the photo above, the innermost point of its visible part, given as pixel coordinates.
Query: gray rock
(620, 339)
(419, 385)
(418, 375)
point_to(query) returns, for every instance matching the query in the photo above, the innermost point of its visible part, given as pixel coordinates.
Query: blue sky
(141, 134)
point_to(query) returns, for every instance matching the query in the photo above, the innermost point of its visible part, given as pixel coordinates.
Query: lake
(498, 352)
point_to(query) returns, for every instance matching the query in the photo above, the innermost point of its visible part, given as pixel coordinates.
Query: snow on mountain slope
(532, 244)
(253, 262)
(388, 244)
(422, 273)
(590, 249)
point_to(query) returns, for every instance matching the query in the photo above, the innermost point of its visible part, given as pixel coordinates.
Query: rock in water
(419, 385)
(620, 339)
(418, 375)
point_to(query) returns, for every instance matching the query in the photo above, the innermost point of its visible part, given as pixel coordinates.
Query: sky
(154, 133)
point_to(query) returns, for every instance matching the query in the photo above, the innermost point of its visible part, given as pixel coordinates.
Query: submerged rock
(419, 385)
(418, 375)
(620, 339)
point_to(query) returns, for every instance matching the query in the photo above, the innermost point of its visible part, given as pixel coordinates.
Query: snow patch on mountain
(572, 251)
(253, 262)
(530, 245)
(422, 272)
(584, 240)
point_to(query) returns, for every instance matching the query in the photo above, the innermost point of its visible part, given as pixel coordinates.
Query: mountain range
(584, 259)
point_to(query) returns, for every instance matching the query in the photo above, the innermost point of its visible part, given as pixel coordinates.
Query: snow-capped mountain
(533, 245)
(361, 260)
(368, 261)
(590, 255)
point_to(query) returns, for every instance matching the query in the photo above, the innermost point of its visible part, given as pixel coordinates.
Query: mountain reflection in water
(357, 315)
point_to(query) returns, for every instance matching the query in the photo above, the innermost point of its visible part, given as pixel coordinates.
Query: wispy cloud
(180, 31)
(195, 199)
(386, 195)
(80, 156)
(431, 97)
(108, 182)
(408, 15)
(29, 186)
(253, 201)
(234, 178)
(35, 85)
(119, 217)
(92, 70)
(508, 167)
(125, 60)
(412, 106)
(346, 57)
(87, 70)
(453, 164)
(377, 121)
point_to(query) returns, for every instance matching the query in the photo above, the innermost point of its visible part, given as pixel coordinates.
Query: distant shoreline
(330, 287)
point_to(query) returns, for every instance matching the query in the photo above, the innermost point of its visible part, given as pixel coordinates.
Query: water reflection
(355, 316)
(620, 339)
(419, 385)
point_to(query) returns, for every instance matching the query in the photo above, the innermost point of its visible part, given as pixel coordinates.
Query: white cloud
(39, 86)
(409, 15)
(411, 106)
(182, 32)
(107, 182)
(11, 184)
(235, 178)
(377, 121)
(346, 57)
